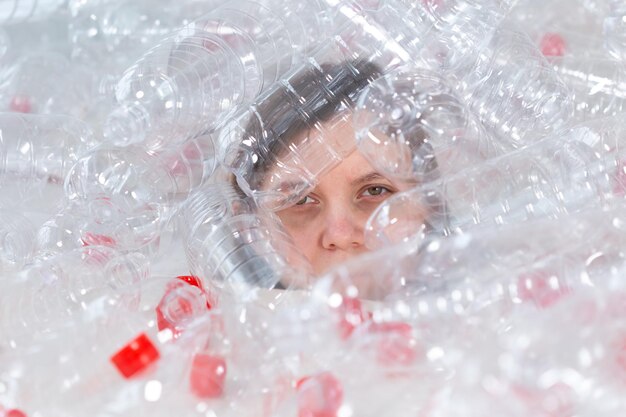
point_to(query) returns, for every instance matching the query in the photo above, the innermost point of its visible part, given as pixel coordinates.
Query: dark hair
(311, 95)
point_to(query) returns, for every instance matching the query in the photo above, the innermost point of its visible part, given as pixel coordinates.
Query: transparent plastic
(188, 82)
(17, 235)
(39, 149)
(459, 28)
(115, 33)
(232, 245)
(46, 82)
(615, 30)
(17, 11)
(412, 125)
(515, 92)
(582, 167)
(52, 291)
(280, 145)
(598, 85)
(140, 178)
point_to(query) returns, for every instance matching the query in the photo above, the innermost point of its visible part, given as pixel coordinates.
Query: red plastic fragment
(352, 316)
(208, 373)
(541, 287)
(135, 356)
(395, 343)
(94, 239)
(184, 299)
(319, 395)
(191, 280)
(14, 412)
(21, 104)
(552, 44)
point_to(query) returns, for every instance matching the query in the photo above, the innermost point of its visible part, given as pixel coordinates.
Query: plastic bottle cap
(21, 104)
(180, 303)
(135, 356)
(319, 395)
(395, 343)
(552, 44)
(208, 374)
(352, 316)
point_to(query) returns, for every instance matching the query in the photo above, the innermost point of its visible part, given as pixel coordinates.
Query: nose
(343, 229)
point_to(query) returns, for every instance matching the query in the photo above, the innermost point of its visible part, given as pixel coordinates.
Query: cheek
(303, 232)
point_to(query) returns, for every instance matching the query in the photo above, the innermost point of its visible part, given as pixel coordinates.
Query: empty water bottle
(412, 125)
(514, 91)
(113, 34)
(597, 85)
(580, 168)
(615, 29)
(17, 11)
(50, 292)
(233, 245)
(186, 83)
(279, 146)
(40, 148)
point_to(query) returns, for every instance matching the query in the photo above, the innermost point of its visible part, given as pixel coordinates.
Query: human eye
(376, 190)
(305, 200)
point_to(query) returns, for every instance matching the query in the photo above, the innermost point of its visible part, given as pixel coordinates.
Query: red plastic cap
(552, 44)
(208, 374)
(352, 316)
(14, 412)
(319, 395)
(395, 343)
(135, 356)
(21, 104)
(191, 280)
(184, 299)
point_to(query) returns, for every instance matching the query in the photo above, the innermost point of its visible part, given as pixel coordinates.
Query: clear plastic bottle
(186, 83)
(459, 28)
(52, 291)
(288, 129)
(581, 168)
(412, 125)
(47, 83)
(16, 11)
(615, 30)
(233, 245)
(515, 92)
(17, 235)
(598, 85)
(112, 34)
(138, 178)
(39, 149)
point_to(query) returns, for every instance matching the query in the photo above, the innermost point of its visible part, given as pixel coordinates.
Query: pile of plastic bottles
(136, 281)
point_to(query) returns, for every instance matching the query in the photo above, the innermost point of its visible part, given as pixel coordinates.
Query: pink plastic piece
(94, 239)
(352, 316)
(540, 287)
(180, 303)
(208, 374)
(135, 356)
(319, 395)
(14, 412)
(552, 44)
(21, 104)
(395, 343)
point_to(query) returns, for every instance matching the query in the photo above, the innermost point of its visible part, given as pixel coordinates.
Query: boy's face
(328, 224)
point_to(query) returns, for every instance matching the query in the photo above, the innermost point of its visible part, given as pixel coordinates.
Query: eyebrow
(370, 176)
